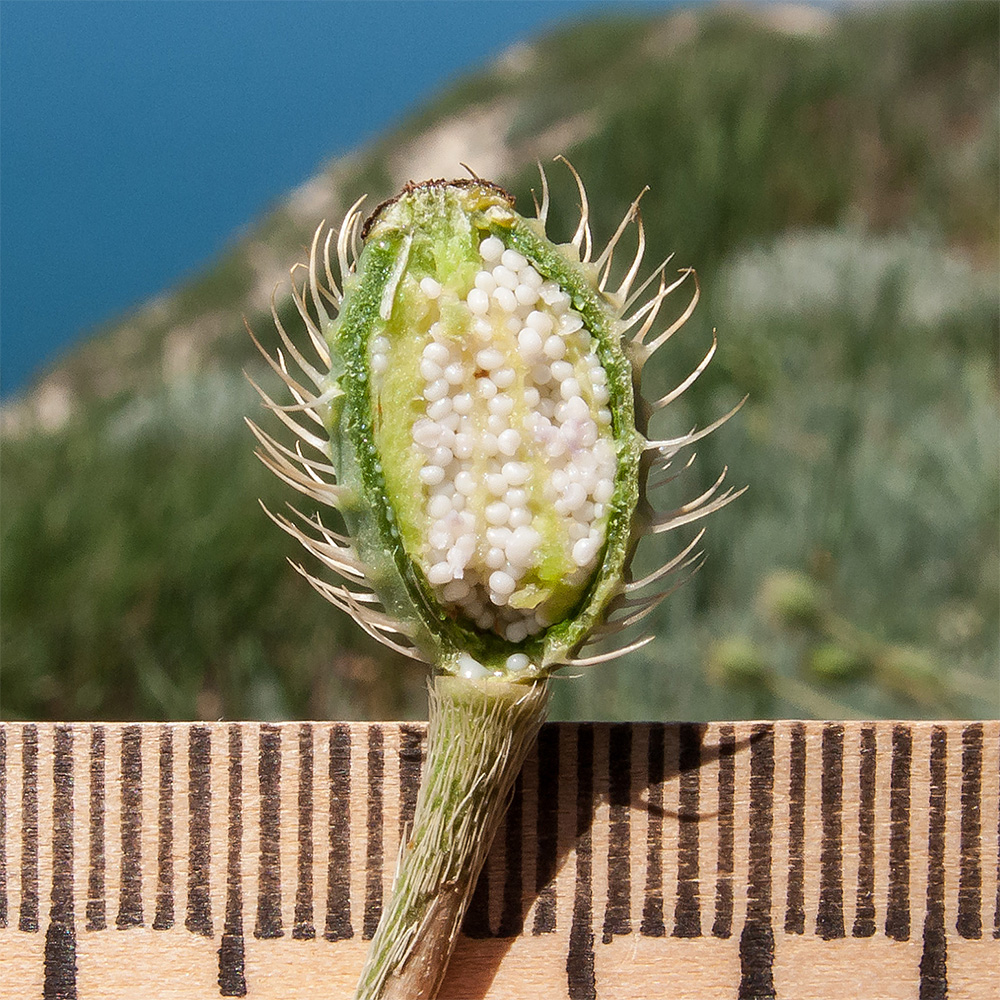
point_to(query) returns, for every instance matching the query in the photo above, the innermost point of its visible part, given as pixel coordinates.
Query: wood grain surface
(728, 860)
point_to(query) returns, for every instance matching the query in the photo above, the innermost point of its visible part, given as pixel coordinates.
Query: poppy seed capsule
(474, 419)
(475, 357)
(481, 437)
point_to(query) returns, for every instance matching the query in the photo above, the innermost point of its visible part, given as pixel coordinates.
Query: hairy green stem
(480, 732)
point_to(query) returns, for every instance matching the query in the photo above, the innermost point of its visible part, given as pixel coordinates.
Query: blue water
(137, 138)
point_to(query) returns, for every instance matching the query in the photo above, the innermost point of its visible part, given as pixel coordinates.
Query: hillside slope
(834, 180)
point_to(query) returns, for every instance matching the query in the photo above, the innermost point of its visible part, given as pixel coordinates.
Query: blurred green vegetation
(836, 189)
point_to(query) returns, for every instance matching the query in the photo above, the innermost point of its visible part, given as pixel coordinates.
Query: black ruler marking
(96, 906)
(687, 911)
(304, 929)
(547, 830)
(617, 918)
(163, 919)
(374, 855)
(130, 890)
(830, 915)
(580, 971)
(795, 913)
(338, 893)
(757, 939)
(511, 912)
(60, 938)
(199, 902)
(28, 917)
(652, 904)
(897, 917)
(934, 958)
(969, 922)
(3, 827)
(410, 760)
(996, 905)
(232, 949)
(864, 918)
(722, 927)
(268, 924)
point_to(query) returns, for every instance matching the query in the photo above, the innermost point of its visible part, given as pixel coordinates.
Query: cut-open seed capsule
(483, 445)
(475, 421)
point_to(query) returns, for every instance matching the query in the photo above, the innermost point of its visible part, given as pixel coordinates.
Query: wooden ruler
(730, 860)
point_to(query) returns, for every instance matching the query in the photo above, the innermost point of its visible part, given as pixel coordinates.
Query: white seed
(570, 322)
(555, 347)
(522, 545)
(496, 423)
(439, 505)
(479, 302)
(430, 287)
(465, 483)
(529, 342)
(519, 516)
(435, 390)
(569, 389)
(516, 473)
(508, 441)
(426, 433)
(441, 456)
(430, 370)
(604, 416)
(491, 248)
(439, 409)
(462, 403)
(516, 661)
(505, 299)
(497, 484)
(561, 370)
(498, 536)
(455, 373)
(601, 394)
(515, 497)
(486, 388)
(526, 295)
(574, 497)
(531, 397)
(585, 549)
(505, 277)
(516, 632)
(504, 377)
(539, 321)
(485, 282)
(530, 276)
(497, 512)
(431, 475)
(541, 374)
(439, 573)
(456, 590)
(380, 363)
(494, 558)
(489, 358)
(488, 445)
(502, 583)
(501, 403)
(513, 260)
(603, 490)
(437, 353)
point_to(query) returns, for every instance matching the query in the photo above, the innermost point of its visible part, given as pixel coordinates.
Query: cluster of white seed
(514, 441)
